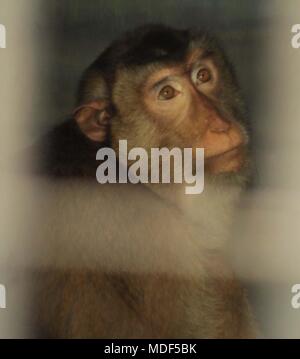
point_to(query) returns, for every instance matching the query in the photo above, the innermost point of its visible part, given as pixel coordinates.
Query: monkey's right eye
(167, 93)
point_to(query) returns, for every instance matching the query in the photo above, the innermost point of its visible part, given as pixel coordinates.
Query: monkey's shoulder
(64, 152)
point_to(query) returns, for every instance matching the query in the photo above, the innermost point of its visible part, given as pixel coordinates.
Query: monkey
(144, 260)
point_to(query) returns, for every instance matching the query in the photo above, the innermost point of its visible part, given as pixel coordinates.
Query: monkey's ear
(93, 119)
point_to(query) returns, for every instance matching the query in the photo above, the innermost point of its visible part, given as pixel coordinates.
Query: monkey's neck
(210, 213)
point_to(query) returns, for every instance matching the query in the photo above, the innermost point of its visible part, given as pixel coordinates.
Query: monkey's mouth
(231, 160)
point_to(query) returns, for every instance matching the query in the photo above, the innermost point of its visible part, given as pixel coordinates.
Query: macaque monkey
(145, 260)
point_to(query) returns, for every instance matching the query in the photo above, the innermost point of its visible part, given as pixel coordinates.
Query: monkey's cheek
(231, 161)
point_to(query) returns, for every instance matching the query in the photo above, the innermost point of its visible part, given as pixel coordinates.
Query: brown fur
(163, 277)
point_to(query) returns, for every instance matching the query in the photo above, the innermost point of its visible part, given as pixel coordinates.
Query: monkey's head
(161, 87)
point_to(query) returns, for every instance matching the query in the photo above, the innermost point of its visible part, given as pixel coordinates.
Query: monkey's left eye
(167, 93)
(203, 75)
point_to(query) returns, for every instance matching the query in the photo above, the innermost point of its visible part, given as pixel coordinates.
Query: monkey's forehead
(166, 46)
(156, 43)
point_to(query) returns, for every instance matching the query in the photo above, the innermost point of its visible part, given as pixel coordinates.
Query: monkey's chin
(232, 167)
(229, 162)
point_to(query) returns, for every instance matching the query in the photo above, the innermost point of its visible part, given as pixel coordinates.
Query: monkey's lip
(229, 153)
(228, 161)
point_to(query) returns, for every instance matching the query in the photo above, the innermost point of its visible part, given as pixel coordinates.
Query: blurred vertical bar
(268, 236)
(17, 84)
(283, 172)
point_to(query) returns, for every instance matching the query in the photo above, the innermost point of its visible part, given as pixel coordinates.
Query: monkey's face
(167, 88)
(183, 106)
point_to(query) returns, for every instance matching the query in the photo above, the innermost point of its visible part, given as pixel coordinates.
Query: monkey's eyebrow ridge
(170, 78)
(162, 81)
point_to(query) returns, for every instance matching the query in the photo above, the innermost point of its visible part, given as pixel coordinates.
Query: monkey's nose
(218, 124)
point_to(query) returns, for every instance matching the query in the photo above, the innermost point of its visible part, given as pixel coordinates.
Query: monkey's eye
(167, 93)
(203, 75)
